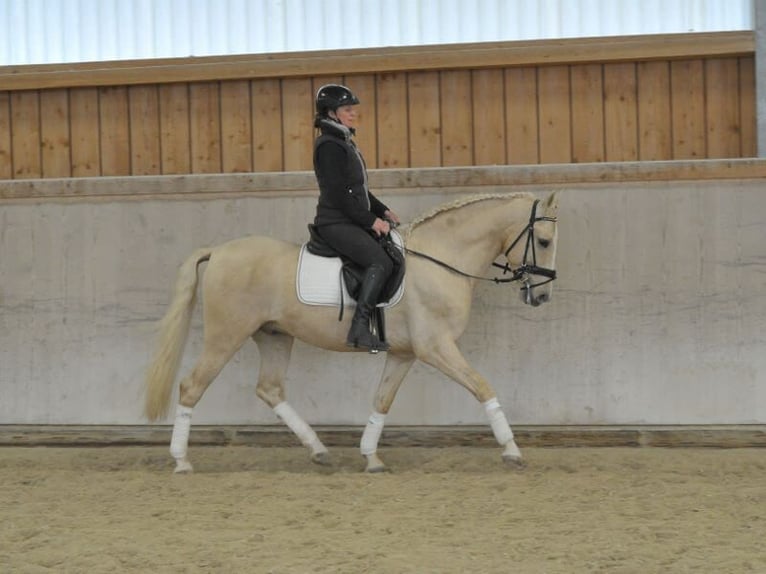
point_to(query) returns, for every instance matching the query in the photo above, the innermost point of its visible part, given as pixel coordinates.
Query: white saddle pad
(319, 280)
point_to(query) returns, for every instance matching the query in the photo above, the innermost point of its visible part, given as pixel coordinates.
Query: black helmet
(332, 96)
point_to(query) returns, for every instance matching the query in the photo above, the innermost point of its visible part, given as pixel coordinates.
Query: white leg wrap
(372, 432)
(302, 430)
(498, 422)
(180, 440)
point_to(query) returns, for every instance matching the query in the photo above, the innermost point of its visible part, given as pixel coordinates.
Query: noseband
(522, 272)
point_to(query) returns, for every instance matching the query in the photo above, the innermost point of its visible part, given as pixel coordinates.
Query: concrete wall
(658, 316)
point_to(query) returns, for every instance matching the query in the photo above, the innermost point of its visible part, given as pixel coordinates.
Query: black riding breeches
(357, 245)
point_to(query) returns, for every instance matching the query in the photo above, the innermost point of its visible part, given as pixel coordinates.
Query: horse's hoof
(321, 458)
(374, 464)
(183, 467)
(514, 462)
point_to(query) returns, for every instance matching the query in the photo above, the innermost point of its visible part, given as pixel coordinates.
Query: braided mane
(462, 202)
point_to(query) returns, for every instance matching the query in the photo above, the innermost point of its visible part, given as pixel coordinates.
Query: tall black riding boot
(359, 334)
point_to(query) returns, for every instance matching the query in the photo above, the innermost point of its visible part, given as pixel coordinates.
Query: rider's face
(347, 116)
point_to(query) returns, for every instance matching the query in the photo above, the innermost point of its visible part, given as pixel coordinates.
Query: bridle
(522, 272)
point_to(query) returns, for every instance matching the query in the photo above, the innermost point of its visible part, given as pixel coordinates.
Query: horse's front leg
(396, 368)
(446, 357)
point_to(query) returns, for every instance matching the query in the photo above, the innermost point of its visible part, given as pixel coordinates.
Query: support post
(759, 21)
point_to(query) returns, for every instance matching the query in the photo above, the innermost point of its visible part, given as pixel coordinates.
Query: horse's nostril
(542, 298)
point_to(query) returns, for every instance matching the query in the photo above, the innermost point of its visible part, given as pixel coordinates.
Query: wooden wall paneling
(488, 105)
(521, 116)
(555, 114)
(54, 133)
(687, 93)
(382, 59)
(6, 157)
(367, 132)
(655, 139)
(722, 107)
(620, 112)
(84, 119)
(144, 110)
(298, 124)
(424, 113)
(114, 127)
(392, 121)
(25, 134)
(236, 127)
(587, 113)
(205, 127)
(266, 112)
(456, 118)
(175, 144)
(747, 110)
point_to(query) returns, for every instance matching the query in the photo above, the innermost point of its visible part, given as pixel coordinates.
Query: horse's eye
(544, 243)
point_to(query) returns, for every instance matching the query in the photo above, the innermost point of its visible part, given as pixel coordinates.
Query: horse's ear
(552, 203)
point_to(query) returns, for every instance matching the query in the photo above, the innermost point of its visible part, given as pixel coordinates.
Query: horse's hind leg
(396, 368)
(275, 347)
(224, 334)
(210, 363)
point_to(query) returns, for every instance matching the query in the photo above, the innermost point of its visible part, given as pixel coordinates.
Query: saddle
(317, 258)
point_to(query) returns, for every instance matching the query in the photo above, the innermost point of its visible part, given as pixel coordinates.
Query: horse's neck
(471, 237)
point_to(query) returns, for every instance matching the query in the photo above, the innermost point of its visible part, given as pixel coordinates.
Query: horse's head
(531, 255)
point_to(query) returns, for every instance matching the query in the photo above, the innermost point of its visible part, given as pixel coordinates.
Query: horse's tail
(173, 332)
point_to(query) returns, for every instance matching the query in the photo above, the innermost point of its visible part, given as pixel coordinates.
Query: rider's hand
(392, 216)
(381, 227)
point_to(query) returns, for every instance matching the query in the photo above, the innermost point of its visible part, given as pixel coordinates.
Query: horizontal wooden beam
(380, 60)
(449, 179)
(719, 436)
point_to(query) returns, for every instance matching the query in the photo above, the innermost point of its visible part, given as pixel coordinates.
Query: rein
(520, 273)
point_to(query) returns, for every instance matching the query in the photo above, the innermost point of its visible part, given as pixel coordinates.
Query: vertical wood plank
(267, 125)
(392, 120)
(115, 130)
(84, 118)
(25, 134)
(236, 127)
(688, 105)
(555, 114)
(722, 107)
(747, 109)
(6, 157)
(298, 123)
(205, 127)
(144, 109)
(424, 113)
(456, 117)
(175, 145)
(367, 133)
(54, 131)
(488, 105)
(587, 113)
(655, 140)
(620, 112)
(521, 116)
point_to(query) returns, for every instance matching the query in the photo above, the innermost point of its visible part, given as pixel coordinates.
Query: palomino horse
(249, 291)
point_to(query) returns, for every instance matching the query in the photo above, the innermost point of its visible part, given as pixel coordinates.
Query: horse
(248, 290)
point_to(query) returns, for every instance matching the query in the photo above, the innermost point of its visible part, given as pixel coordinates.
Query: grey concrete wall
(658, 315)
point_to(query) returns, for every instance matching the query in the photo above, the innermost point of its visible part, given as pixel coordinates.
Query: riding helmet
(332, 96)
